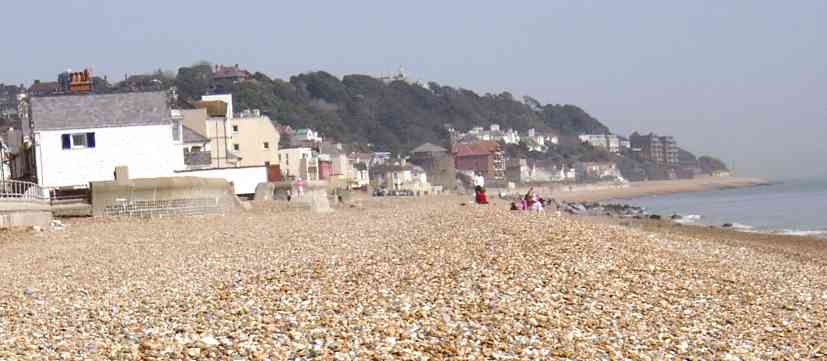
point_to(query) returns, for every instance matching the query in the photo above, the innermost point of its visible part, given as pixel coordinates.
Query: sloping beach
(649, 188)
(402, 279)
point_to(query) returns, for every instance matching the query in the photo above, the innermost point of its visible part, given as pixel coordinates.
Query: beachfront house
(299, 162)
(400, 176)
(77, 139)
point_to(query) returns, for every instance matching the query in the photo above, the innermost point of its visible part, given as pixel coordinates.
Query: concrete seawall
(24, 214)
(173, 190)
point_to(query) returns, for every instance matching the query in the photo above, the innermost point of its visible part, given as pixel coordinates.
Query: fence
(164, 208)
(22, 191)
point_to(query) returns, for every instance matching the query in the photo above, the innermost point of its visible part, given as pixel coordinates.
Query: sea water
(792, 207)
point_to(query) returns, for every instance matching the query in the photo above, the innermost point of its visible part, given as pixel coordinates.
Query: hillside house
(230, 73)
(658, 149)
(609, 142)
(305, 138)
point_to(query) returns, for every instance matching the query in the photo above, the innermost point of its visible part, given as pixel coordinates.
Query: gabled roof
(473, 149)
(429, 148)
(99, 111)
(192, 137)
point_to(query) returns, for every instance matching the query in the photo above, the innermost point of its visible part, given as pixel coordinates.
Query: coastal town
(142, 220)
(63, 136)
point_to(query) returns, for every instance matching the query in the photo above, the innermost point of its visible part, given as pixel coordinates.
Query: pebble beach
(427, 278)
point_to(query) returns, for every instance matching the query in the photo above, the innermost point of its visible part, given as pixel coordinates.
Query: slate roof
(429, 148)
(192, 137)
(473, 149)
(99, 111)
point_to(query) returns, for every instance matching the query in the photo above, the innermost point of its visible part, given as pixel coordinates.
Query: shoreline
(653, 188)
(800, 246)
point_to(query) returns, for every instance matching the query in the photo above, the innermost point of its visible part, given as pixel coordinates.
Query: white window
(235, 128)
(236, 147)
(78, 140)
(266, 145)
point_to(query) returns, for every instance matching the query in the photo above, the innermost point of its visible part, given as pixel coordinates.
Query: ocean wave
(802, 232)
(689, 219)
(740, 226)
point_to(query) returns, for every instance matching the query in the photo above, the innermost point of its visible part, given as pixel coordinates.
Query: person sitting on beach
(479, 195)
(529, 197)
(536, 204)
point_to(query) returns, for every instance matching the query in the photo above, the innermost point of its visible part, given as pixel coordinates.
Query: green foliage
(710, 164)
(395, 116)
(194, 81)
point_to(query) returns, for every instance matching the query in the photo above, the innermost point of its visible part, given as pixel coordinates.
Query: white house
(609, 142)
(300, 162)
(304, 136)
(82, 138)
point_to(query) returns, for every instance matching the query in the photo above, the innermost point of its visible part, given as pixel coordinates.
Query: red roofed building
(231, 73)
(44, 88)
(485, 157)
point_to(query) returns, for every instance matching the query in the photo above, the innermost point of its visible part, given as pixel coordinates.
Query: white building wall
(244, 179)
(148, 151)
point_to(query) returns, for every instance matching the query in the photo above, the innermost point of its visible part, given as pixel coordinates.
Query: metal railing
(164, 208)
(22, 191)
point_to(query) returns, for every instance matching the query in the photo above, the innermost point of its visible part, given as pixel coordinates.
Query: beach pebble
(401, 278)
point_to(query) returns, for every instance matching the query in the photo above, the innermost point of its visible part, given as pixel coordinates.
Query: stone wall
(163, 196)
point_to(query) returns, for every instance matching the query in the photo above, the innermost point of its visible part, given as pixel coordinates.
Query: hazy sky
(745, 80)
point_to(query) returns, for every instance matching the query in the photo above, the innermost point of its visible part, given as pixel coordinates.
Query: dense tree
(394, 116)
(710, 164)
(194, 81)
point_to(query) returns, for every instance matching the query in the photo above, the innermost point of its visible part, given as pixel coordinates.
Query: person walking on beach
(299, 187)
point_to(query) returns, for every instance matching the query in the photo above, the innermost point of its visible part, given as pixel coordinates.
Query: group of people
(299, 186)
(530, 202)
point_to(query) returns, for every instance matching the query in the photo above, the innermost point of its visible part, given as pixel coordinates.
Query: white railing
(22, 190)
